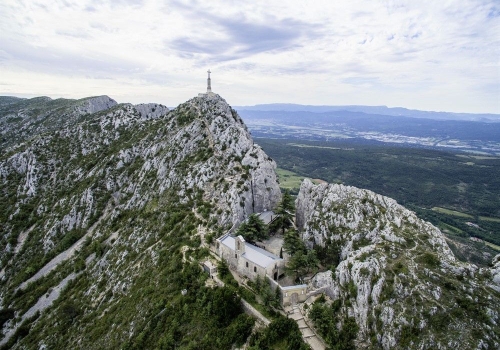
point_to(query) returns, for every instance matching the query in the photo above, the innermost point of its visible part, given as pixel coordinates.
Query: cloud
(361, 80)
(238, 36)
(425, 54)
(74, 33)
(51, 60)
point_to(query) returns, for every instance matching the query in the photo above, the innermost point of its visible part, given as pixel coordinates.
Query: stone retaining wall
(249, 309)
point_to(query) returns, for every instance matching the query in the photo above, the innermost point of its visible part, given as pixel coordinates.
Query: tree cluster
(282, 333)
(253, 229)
(302, 260)
(326, 319)
(285, 213)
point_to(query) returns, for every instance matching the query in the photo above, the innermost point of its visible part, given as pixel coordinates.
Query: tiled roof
(266, 216)
(259, 256)
(252, 253)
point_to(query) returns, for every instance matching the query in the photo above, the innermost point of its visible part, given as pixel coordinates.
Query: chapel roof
(252, 253)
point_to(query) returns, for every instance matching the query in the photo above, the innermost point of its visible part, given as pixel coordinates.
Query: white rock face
(95, 104)
(252, 181)
(394, 268)
(362, 212)
(151, 110)
(495, 273)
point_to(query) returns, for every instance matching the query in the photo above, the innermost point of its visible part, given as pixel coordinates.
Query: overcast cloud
(429, 55)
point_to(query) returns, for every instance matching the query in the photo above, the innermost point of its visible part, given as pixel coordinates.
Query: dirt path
(51, 265)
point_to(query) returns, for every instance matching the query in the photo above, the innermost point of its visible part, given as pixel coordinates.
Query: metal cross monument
(209, 82)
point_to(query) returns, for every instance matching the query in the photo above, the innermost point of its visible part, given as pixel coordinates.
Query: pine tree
(254, 229)
(302, 260)
(285, 213)
(293, 243)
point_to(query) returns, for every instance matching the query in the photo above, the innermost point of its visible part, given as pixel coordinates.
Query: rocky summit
(107, 210)
(92, 203)
(396, 275)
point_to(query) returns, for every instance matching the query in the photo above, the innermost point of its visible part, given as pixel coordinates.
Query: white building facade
(249, 260)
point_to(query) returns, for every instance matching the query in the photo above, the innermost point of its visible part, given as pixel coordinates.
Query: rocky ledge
(397, 276)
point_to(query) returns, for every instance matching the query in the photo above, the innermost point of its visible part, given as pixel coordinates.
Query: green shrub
(429, 259)
(5, 315)
(282, 333)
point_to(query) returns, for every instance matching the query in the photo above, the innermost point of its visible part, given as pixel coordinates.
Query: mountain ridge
(190, 172)
(108, 215)
(396, 274)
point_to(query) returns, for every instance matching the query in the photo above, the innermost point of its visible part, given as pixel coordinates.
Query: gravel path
(47, 299)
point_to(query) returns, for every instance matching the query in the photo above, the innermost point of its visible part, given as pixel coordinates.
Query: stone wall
(249, 309)
(293, 294)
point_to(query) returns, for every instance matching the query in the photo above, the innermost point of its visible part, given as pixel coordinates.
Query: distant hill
(464, 135)
(380, 110)
(22, 118)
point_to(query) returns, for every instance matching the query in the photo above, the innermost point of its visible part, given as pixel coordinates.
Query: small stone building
(247, 259)
(209, 268)
(292, 295)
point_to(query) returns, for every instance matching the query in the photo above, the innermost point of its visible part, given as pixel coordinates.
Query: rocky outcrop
(396, 275)
(94, 104)
(151, 110)
(248, 172)
(495, 273)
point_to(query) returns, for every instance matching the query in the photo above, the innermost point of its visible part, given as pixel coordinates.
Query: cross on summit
(209, 82)
(209, 87)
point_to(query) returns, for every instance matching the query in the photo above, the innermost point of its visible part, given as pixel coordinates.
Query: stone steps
(307, 333)
(302, 323)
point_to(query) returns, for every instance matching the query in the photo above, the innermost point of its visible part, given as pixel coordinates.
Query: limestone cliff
(495, 273)
(94, 104)
(396, 275)
(248, 170)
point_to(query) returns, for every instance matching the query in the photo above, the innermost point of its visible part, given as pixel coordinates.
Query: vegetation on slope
(395, 274)
(139, 195)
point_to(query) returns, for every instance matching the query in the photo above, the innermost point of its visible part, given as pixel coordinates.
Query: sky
(429, 55)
